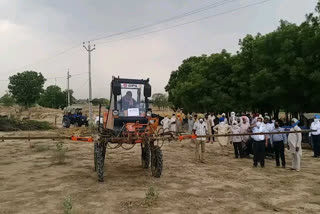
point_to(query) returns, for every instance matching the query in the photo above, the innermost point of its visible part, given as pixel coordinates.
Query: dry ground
(30, 183)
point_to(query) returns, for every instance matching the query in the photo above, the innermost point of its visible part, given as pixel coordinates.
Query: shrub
(67, 205)
(151, 196)
(59, 154)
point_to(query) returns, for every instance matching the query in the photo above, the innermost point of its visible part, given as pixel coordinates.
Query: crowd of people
(204, 126)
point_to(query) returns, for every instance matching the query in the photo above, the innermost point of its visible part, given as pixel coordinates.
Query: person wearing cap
(259, 143)
(294, 144)
(278, 141)
(200, 128)
(165, 122)
(223, 128)
(315, 125)
(173, 123)
(236, 140)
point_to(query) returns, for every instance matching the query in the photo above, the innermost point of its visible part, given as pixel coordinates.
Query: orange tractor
(129, 122)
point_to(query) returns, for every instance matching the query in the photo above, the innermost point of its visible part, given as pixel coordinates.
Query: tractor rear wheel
(101, 154)
(156, 161)
(145, 155)
(95, 148)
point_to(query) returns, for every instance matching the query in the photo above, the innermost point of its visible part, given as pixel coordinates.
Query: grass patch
(151, 196)
(41, 148)
(59, 154)
(11, 124)
(67, 205)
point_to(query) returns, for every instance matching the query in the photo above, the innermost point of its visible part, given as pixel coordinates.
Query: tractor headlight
(115, 112)
(149, 114)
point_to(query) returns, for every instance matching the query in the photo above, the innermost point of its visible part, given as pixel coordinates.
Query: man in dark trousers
(259, 143)
(278, 141)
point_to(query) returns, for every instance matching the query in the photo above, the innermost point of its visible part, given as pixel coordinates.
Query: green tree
(26, 87)
(160, 100)
(103, 101)
(7, 100)
(53, 97)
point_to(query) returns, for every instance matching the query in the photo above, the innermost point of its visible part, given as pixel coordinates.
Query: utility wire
(189, 22)
(60, 77)
(189, 13)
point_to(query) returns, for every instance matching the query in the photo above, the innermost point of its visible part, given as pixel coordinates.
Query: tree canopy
(26, 87)
(160, 100)
(279, 70)
(53, 97)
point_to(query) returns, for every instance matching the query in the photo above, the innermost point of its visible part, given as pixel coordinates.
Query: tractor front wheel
(101, 154)
(66, 122)
(156, 161)
(145, 155)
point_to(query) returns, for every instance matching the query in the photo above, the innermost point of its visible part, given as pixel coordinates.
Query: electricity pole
(90, 89)
(68, 92)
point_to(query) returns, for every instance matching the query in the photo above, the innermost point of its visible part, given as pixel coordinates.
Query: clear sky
(38, 34)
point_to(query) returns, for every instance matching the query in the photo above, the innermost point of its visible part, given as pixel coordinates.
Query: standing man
(236, 140)
(190, 124)
(315, 125)
(211, 119)
(259, 143)
(165, 122)
(269, 127)
(200, 128)
(278, 141)
(208, 122)
(223, 128)
(244, 126)
(294, 141)
(173, 123)
(232, 118)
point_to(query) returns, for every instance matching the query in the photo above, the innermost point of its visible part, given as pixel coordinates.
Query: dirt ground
(31, 183)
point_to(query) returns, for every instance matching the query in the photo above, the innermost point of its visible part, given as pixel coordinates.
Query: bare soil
(31, 183)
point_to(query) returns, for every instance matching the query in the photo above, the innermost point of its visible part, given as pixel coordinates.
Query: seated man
(128, 101)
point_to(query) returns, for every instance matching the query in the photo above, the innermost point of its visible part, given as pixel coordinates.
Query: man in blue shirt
(278, 141)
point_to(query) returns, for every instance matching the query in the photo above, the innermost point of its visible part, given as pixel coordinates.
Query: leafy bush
(7, 100)
(9, 124)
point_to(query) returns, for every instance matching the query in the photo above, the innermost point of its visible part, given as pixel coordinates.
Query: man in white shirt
(315, 125)
(165, 122)
(200, 128)
(173, 123)
(259, 143)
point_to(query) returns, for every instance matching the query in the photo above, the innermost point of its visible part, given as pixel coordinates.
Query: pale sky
(34, 33)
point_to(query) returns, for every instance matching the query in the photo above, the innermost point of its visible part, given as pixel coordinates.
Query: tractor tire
(156, 161)
(95, 148)
(101, 152)
(66, 122)
(145, 155)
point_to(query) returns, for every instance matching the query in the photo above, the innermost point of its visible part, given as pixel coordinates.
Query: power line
(59, 77)
(207, 7)
(189, 22)
(176, 17)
